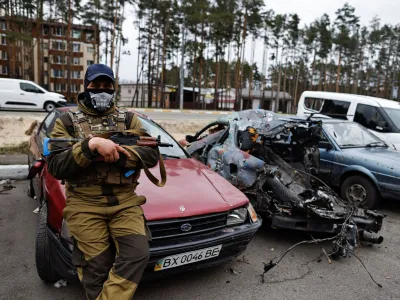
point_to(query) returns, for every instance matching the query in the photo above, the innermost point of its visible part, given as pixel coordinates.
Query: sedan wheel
(49, 106)
(357, 194)
(360, 191)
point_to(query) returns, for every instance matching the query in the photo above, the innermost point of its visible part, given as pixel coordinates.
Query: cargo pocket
(78, 257)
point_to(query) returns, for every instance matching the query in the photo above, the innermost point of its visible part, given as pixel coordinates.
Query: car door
(43, 131)
(327, 154)
(28, 97)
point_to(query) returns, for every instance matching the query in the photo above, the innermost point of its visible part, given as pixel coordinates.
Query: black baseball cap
(97, 70)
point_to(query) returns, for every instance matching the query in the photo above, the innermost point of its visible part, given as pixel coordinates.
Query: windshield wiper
(169, 156)
(376, 144)
(351, 145)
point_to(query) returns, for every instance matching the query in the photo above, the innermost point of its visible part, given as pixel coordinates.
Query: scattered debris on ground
(6, 185)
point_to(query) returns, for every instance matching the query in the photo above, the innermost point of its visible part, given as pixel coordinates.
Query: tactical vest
(100, 173)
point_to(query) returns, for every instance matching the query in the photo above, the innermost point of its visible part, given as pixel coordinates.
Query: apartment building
(44, 57)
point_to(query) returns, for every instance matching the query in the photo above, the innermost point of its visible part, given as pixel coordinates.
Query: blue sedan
(358, 163)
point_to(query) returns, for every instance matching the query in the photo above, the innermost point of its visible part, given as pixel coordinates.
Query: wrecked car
(275, 161)
(358, 163)
(205, 223)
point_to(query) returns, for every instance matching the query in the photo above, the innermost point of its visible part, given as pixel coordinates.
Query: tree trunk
(284, 88)
(194, 70)
(113, 34)
(312, 71)
(39, 56)
(202, 58)
(163, 70)
(297, 85)
(69, 44)
(149, 79)
(119, 54)
(216, 81)
(325, 80)
(338, 71)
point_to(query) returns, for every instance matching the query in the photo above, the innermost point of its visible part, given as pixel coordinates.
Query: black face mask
(99, 99)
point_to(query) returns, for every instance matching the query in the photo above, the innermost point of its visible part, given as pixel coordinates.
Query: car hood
(57, 96)
(191, 189)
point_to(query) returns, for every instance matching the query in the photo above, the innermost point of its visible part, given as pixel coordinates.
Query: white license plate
(187, 258)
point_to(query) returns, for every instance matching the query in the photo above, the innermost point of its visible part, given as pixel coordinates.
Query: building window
(76, 74)
(46, 73)
(58, 73)
(76, 47)
(58, 60)
(45, 46)
(129, 91)
(77, 61)
(45, 30)
(58, 31)
(59, 87)
(4, 70)
(3, 25)
(90, 62)
(90, 49)
(3, 40)
(76, 34)
(58, 46)
(89, 36)
(46, 59)
(4, 55)
(75, 88)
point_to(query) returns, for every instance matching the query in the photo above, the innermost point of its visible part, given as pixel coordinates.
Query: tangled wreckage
(274, 160)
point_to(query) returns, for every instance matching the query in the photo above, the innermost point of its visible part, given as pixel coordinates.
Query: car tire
(49, 106)
(44, 265)
(360, 190)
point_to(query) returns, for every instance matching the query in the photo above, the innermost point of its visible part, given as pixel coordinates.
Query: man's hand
(106, 148)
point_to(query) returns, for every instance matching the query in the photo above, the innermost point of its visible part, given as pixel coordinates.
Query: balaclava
(98, 99)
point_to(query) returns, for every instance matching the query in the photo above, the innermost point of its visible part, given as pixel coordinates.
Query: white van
(24, 94)
(380, 116)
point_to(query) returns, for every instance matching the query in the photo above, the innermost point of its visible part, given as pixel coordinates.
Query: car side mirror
(325, 145)
(189, 138)
(383, 128)
(36, 168)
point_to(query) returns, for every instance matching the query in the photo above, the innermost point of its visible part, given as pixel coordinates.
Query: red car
(198, 219)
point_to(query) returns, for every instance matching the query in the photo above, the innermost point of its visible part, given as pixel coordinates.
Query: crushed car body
(274, 160)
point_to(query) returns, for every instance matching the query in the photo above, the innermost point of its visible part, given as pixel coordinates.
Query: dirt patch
(14, 140)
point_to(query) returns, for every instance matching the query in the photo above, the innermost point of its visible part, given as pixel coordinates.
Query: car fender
(358, 169)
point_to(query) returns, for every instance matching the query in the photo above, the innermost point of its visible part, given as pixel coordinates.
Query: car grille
(173, 228)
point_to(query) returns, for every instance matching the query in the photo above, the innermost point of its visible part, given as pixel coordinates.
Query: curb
(14, 172)
(200, 112)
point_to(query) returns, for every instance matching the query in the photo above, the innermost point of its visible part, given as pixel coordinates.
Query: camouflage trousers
(104, 271)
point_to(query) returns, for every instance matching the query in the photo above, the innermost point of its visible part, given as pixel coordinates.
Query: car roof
(375, 101)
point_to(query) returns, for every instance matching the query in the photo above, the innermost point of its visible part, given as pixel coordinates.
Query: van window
(313, 103)
(394, 115)
(369, 116)
(27, 87)
(335, 109)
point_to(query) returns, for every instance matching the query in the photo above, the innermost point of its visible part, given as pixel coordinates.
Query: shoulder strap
(121, 120)
(67, 122)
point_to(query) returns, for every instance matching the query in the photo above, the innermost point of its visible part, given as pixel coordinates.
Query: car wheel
(44, 265)
(360, 191)
(49, 106)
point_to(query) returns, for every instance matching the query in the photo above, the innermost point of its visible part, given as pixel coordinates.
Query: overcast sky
(308, 10)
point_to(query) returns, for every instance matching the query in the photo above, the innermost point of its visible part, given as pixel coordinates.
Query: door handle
(22, 94)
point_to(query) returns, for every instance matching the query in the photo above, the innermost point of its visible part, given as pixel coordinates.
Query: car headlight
(237, 216)
(62, 97)
(252, 213)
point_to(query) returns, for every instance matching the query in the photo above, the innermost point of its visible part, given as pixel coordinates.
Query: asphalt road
(303, 274)
(154, 115)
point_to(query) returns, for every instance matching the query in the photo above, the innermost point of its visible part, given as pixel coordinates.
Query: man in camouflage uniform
(102, 205)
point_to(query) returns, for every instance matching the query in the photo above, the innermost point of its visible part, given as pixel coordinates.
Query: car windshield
(155, 131)
(349, 134)
(394, 115)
